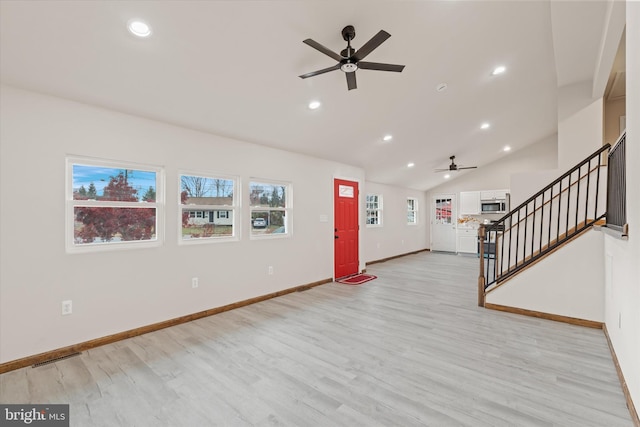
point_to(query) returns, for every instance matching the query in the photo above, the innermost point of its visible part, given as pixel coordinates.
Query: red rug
(358, 279)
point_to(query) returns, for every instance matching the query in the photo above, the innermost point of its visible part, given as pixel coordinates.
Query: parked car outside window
(259, 223)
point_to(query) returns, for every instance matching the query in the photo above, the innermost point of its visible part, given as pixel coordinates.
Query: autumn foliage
(107, 223)
(185, 215)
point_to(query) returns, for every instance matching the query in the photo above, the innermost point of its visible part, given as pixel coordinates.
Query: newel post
(481, 279)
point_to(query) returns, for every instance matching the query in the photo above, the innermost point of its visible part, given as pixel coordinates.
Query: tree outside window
(270, 208)
(111, 204)
(207, 204)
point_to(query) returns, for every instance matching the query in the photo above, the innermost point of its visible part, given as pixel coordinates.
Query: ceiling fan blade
(468, 167)
(380, 67)
(324, 70)
(326, 51)
(373, 43)
(351, 80)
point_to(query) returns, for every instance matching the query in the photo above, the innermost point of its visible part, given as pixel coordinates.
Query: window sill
(72, 248)
(207, 240)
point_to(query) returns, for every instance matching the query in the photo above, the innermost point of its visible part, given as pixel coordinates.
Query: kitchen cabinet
(467, 240)
(493, 194)
(469, 202)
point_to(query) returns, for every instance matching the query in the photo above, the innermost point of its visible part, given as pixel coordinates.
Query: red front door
(345, 194)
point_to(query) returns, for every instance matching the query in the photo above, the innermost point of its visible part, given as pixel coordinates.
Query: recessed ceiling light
(447, 176)
(410, 165)
(387, 138)
(441, 87)
(139, 28)
(485, 126)
(499, 70)
(506, 148)
(313, 105)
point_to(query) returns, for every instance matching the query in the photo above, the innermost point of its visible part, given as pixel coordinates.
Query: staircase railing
(557, 213)
(617, 188)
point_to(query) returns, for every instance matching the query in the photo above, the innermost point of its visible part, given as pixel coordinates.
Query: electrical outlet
(270, 270)
(194, 282)
(67, 307)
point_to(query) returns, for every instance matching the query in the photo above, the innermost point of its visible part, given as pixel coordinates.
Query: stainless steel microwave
(494, 206)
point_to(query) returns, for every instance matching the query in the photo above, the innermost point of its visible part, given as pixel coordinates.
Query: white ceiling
(231, 68)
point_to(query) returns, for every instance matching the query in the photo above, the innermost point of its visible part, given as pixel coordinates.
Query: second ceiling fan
(351, 59)
(453, 167)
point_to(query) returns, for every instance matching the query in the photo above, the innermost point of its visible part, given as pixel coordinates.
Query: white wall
(580, 126)
(612, 112)
(541, 155)
(568, 283)
(622, 296)
(526, 184)
(617, 268)
(497, 175)
(395, 237)
(120, 290)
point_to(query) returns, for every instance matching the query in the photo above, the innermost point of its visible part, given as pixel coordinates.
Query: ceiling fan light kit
(350, 59)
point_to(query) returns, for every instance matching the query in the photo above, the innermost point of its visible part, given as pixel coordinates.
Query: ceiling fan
(350, 59)
(454, 168)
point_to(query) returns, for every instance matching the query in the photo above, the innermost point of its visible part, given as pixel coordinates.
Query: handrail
(558, 180)
(557, 213)
(554, 197)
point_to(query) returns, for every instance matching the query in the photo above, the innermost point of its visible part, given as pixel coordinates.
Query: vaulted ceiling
(231, 68)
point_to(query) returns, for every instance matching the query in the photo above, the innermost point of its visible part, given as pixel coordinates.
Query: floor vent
(56, 359)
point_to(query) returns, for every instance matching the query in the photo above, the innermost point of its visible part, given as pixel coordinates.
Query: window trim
(378, 210)
(288, 209)
(235, 208)
(414, 210)
(70, 205)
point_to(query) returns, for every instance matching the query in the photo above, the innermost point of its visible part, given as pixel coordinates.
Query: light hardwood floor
(410, 348)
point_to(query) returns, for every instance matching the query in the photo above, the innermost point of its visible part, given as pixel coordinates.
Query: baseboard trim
(548, 316)
(395, 256)
(87, 345)
(623, 382)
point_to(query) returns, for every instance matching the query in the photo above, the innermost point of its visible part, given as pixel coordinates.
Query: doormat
(358, 279)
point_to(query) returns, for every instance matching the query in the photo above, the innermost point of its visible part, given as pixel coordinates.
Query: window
(270, 204)
(412, 211)
(208, 207)
(112, 205)
(443, 212)
(374, 209)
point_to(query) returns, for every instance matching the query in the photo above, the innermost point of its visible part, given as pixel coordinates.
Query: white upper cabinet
(469, 202)
(493, 194)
